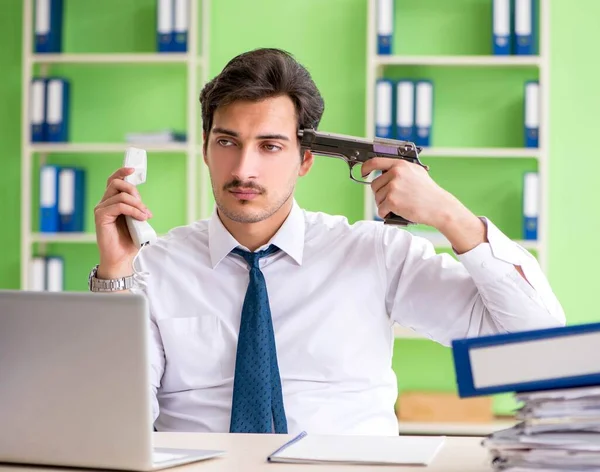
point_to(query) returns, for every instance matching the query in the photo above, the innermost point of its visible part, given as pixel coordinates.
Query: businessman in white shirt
(301, 339)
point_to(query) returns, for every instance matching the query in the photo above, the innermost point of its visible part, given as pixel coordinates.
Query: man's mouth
(244, 193)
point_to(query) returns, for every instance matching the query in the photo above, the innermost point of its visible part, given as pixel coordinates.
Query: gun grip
(393, 219)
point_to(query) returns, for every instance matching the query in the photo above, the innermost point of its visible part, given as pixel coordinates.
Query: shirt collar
(289, 238)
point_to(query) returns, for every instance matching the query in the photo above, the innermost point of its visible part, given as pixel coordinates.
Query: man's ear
(204, 146)
(307, 163)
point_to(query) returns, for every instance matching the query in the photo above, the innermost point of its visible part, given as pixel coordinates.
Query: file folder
(37, 110)
(423, 112)
(501, 27)
(48, 26)
(540, 359)
(405, 110)
(71, 189)
(384, 111)
(532, 114)
(49, 222)
(164, 25)
(180, 26)
(385, 26)
(54, 274)
(524, 27)
(37, 274)
(530, 205)
(58, 110)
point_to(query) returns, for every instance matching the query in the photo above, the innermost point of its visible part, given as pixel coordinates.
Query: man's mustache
(236, 183)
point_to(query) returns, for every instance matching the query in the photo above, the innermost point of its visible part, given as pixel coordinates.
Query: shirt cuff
(495, 259)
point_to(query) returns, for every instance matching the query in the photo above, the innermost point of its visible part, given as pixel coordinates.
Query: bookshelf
(449, 63)
(193, 65)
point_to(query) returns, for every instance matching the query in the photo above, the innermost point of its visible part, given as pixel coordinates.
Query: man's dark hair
(260, 74)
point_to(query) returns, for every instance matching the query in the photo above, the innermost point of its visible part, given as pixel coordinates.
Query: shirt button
(484, 265)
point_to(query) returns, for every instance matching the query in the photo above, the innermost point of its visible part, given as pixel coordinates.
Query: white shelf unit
(196, 58)
(376, 65)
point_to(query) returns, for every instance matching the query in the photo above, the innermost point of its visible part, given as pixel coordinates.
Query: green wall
(474, 108)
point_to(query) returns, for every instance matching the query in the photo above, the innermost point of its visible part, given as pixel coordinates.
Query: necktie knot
(253, 258)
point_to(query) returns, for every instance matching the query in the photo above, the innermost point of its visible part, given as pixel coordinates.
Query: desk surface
(248, 453)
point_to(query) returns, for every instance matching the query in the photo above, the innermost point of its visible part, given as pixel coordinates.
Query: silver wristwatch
(108, 285)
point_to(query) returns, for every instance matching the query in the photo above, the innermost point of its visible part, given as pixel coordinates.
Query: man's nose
(247, 164)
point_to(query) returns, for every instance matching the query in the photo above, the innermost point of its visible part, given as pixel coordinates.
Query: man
(301, 338)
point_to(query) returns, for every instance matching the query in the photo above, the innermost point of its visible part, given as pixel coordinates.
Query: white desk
(247, 453)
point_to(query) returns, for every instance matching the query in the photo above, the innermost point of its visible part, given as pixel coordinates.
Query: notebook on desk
(374, 450)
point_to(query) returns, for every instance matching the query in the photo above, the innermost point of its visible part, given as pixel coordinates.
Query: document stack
(554, 374)
(558, 430)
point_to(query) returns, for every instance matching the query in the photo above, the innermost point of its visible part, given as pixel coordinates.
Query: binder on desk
(501, 22)
(48, 26)
(180, 26)
(385, 26)
(384, 108)
(37, 110)
(71, 190)
(541, 359)
(530, 205)
(532, 113)
(54, 274)
(164, 25)
(58, 110)
(37, 274)
(423, 112)
(524, 27)
(49, 222)
(405, 110)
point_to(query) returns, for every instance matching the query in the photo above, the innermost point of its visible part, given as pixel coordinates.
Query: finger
(127, 199)
(380, 194)
(117, 186)
(383, 180)
(120, 174)
(114, 210)
(379, 163)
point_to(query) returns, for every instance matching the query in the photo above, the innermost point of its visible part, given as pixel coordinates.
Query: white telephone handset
(141, 231)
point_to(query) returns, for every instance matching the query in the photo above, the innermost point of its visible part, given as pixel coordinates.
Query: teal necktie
(257, 405)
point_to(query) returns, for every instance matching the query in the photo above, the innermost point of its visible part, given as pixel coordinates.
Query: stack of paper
(559, 430)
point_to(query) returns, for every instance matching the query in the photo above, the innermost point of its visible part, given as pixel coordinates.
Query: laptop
(74, 383)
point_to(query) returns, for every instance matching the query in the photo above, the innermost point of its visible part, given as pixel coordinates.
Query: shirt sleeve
(481, 293)
(156, 350)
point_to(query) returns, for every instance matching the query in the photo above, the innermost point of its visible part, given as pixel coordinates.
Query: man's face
(253, 157)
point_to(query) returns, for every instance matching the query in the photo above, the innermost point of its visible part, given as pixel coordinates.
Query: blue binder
(405, 110)
(423, 112)
(180, 26)
(385, 26)
(48, 26)
(57, 116)
(71, 201)
(164, 25)
(532, 113)
(524, 33)
(37, 113)
(501, 26)
(49, 222)
(568, 367)
(530, 205)
(384, 109)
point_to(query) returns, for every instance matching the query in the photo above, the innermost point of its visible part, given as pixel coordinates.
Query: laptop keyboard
(158, 457)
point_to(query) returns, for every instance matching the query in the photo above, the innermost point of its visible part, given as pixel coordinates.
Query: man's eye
(224, 142)
(272, 147)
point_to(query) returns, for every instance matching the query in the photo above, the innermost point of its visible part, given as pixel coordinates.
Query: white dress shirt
(335, 290)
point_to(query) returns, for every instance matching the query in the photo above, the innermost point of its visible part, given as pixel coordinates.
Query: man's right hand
(115, 245)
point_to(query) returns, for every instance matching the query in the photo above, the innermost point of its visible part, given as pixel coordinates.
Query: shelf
(105, 147)
(124, 58)
(476, 61)
(482, 152)
(63, 237)
(454, 429)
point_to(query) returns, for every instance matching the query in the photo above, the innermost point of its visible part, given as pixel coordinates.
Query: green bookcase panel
(442, 27)
(473, 106)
